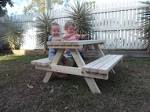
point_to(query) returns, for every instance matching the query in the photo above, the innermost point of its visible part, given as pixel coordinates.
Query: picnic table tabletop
(72, 44)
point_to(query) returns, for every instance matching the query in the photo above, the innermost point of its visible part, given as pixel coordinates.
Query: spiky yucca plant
(80, 14)
(13, 35)
(43, 25)
(146, 23)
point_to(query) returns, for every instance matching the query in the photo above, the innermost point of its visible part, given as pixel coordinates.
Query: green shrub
(13, 36)
(146, 23)
(80, 14)
(43, 25)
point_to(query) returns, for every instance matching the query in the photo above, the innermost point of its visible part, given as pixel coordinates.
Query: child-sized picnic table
(98, 69)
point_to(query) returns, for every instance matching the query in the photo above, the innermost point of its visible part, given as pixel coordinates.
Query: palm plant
(80, 14)
(43, 25)
(13, 35)
(146, 23)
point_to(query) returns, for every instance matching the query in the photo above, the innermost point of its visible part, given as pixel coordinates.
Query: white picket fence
(119, 28)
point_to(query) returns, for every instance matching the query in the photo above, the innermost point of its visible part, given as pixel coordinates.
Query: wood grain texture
(72, 71)
(72, 44)
(103, 65)
(41, 62)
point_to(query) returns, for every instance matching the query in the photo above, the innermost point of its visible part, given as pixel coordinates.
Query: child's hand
(83, 36)
(77, 36)
(68, 35)
(72, 38)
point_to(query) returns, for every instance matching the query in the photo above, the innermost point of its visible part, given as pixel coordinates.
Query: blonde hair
(53, 24)
(69, 23)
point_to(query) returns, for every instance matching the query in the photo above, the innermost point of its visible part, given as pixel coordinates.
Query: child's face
(70, 29)
(55, 30)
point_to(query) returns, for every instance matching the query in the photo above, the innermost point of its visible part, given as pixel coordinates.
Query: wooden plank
(65, 47)
(111, 57)
(93, 66)
(77, 57)
(100, 49)
(41, 62)
(47, 77)
(92, 85)
(101, 52)
(100, 62)
(97, 61)
(108, 66)
(100, 65)
(58, 56)
(105, 65)
(55, 61)
(90, 81)
(72, 71)
(90, 42)
(74, 43)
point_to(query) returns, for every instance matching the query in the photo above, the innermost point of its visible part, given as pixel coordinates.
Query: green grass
(4, 58)
(140, 60)
(126, 91)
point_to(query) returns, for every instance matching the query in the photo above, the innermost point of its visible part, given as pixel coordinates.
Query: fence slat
(119, 28)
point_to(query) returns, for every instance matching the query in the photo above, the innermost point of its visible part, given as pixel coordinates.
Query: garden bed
(22, 89)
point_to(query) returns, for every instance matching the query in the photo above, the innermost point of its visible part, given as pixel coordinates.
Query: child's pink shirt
(70, 37)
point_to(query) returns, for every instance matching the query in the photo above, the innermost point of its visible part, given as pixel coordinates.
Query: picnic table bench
(98, 69)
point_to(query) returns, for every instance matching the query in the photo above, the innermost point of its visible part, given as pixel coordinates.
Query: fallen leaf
(29, 86)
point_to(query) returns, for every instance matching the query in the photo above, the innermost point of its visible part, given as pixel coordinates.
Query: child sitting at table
(54, 36)
(70, 32)
(71, 35)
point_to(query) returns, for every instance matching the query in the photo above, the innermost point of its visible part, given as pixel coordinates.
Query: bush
(43, 25)
(146, 23)
(80, 14)
(13, 36)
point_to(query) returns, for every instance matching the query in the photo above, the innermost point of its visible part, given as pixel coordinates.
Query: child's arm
(68, 35)
(78, 36)
(74, 37)
(56, 39)
(49, 38)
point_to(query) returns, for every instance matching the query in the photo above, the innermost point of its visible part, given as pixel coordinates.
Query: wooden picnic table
(99, 68)
(74, 46)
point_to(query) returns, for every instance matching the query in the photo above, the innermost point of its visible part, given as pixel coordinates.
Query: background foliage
(3, 4)
(43, 25)
(13, 37)
(80, 14)
(38, 6)
(146, 23)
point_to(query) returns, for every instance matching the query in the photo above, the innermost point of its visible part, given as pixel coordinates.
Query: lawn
(22, 90)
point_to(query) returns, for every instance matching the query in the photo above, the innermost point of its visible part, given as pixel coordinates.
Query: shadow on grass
(10, 57)
(139, 60)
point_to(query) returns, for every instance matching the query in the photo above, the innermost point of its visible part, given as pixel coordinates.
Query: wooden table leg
(99, 50)
(47, 77)
(90, 81)
(92, 85)
(55, 61)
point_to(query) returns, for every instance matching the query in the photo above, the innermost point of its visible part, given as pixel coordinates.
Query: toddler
(54, 36)
(71, 35)
(70, 32)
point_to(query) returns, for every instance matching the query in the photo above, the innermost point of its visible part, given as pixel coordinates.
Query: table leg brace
(54, 61)
(90, 81)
